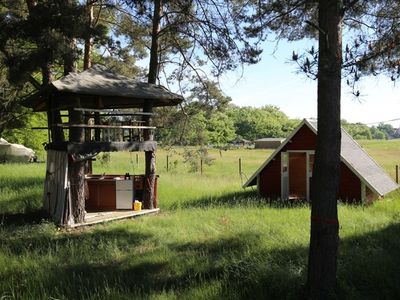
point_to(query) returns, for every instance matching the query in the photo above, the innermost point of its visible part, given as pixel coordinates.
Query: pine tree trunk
(53, 116)
(76, 169)
(87, 63)
(150, 156)
(324, 238)
(87, 57)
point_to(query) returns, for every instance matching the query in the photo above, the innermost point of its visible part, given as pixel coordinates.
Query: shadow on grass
(226, 262)
(369, 265)
(242, 199)
(84, 265)
(22, 219)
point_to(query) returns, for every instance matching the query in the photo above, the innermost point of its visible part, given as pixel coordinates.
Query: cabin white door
(296, 174)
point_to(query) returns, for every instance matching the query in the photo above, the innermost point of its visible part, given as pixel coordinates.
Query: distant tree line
(361, 131)
(194, 125)
(221, 124)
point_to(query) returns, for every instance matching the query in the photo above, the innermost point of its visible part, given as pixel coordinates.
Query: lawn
(212, 240)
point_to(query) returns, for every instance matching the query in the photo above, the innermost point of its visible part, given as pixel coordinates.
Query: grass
(386, 153)
(211, 241)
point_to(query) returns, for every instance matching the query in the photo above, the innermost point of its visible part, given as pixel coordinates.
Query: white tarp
(15, 152)
(56, 198)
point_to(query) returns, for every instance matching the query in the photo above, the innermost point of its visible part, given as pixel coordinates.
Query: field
(212, 240)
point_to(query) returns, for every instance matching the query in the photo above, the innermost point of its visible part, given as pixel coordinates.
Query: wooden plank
(109, 114)
(93, 219)
(92, 147)
(67, 125)
(98, 126)
(110, 111)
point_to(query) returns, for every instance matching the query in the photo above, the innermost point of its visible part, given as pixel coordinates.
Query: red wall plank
(349, 186)
(270, 179)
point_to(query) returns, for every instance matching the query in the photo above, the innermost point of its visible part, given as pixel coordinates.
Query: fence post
(167, 164)
(397, 174)
(201, 166)
(137, 159)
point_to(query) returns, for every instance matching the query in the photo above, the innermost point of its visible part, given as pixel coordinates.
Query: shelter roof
(102, 88)
(270, 140)
(353, 155)
(241, 140)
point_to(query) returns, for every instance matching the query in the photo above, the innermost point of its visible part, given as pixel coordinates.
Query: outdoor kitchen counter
(109, 192)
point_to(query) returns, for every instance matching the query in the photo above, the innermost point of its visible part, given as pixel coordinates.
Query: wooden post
(397, 174)
(97, 130)
(201, 166)
(167, 164)
(77, 169)
(87, 55)
(150, 156)
(240, 167)
(137, 160)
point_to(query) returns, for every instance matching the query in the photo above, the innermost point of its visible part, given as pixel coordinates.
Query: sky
(275, 81)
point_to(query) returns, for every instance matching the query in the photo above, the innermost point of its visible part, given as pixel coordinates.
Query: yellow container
(137, 205)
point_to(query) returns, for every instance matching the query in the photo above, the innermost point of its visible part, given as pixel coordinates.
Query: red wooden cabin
(287, 173)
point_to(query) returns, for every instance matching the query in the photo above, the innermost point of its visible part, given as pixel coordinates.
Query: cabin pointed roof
(102, 88)
(352, 155)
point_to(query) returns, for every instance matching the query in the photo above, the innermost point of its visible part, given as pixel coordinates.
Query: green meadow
(211, 240)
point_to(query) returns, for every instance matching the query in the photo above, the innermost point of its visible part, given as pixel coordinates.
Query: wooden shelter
(287, 173)
(268, 143)
(100, 104)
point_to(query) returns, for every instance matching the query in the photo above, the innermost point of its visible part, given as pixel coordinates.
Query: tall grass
(211, 241)
(386, 153)
(21, 187)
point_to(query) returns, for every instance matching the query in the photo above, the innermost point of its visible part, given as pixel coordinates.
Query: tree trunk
(87, 57)
(76, 168)
(31, 4)
(87, 63)
(154, 63)
(324, 219)
(150, 156)
(53, 116)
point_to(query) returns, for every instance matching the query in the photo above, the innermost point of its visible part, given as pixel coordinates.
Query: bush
(194, 158)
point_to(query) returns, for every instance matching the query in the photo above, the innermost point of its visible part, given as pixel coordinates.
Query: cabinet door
(124, 185)
(124, 199)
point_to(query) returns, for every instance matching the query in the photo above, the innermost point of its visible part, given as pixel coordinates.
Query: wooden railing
(97, 128)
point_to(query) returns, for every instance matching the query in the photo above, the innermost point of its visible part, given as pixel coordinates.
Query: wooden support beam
(92, 147)
(97, 126)
(103, 126)
(111, 111)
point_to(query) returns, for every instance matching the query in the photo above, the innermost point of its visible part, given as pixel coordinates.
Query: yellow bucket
(137, 205)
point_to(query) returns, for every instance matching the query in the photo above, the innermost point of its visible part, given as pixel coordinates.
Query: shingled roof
(115, 91)
(353, 155)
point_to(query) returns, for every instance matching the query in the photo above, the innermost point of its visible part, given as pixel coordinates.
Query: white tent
(15, 152)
